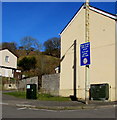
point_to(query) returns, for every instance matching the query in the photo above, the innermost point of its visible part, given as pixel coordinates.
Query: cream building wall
(102, 68)
(116, 59)
(6, 68)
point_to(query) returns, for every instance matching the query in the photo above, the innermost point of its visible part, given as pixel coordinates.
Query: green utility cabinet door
(99, 91)
(31, 91)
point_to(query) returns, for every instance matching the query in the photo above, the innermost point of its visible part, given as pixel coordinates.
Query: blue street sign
(85, 54)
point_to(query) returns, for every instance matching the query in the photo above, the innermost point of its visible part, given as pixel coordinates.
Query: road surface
(24, 112)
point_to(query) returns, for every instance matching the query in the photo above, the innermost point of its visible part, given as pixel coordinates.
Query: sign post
(85, 52)
(85, 61)
(87, 40)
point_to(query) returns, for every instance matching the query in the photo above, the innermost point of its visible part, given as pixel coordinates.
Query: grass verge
(18, 94)
(44, 97)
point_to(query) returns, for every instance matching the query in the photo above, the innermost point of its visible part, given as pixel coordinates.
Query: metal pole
(87, 40)
(75, 96)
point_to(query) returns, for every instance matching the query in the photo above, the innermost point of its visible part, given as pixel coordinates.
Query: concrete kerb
(55, 105)
(62, 107)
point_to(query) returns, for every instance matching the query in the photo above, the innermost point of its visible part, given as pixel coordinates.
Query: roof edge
(10, 51)
(72, 18)
(107, 14)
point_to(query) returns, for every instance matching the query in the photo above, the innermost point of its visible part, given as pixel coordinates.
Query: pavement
(55, 105)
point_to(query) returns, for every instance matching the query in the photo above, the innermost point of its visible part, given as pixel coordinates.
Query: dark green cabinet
(99, 91)
(31, 91)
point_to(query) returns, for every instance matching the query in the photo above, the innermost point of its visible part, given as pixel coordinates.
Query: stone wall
(22, 84)
(50, 84)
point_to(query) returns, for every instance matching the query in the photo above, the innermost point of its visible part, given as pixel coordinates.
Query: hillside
(44, 64)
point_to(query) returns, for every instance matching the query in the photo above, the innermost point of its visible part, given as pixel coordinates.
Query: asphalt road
(23, 112)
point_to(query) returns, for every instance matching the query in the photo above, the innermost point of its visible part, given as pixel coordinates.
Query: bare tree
(52, 47)
(12, 46)
(29, 43)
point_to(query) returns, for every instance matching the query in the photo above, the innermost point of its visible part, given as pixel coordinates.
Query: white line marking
(114, 105)
(3, 103)
(33, 109)
(48, 110)
(21, 108)
(43, 110)
(23, 105)
(68, 110)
